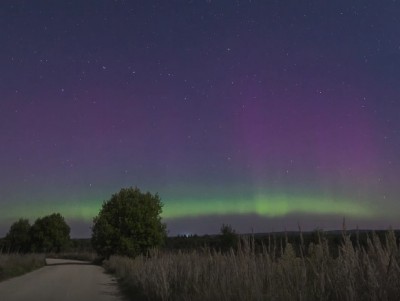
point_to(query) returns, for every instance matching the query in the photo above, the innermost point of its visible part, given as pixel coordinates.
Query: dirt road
(62, 280)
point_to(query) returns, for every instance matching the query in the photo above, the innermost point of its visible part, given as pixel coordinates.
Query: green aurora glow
(274, 206)
(262, 205)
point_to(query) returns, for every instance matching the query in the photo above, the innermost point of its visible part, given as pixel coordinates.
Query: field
(317, 266)
(12, 265)
(277, 271)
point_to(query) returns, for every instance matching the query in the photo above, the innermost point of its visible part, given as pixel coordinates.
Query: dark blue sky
(255, 113)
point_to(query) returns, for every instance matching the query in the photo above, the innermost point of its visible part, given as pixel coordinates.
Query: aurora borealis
(261, 114)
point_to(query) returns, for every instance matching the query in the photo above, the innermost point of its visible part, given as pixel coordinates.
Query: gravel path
(62, 280)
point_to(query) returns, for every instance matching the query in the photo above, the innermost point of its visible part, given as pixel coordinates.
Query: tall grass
(274, 273)
(12, 265)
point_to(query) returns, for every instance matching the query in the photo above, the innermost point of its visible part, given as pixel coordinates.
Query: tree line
(128, 224)
(47, 234)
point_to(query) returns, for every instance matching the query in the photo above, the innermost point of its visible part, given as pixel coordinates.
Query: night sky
(260, 114)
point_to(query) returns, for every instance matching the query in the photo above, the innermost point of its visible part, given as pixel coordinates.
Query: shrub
(128, 224)
(50, 234)
(18, 238)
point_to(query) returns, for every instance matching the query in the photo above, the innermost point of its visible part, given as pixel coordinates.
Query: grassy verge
(356, 273)
(12, 265)
(84, 256)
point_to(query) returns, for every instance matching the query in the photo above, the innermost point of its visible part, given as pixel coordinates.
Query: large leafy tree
(50, 234)
(18, 237)
(128, 224)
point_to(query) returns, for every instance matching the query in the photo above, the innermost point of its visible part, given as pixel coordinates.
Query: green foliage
(18, 237)
(80, 245)
(128, 224)
(50, 234)
(192, 242)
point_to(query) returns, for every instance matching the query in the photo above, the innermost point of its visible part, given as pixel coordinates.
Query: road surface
(62, 280)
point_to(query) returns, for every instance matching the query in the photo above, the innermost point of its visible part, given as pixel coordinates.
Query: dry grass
(84, 256)
(370, 273)
(12, 265)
